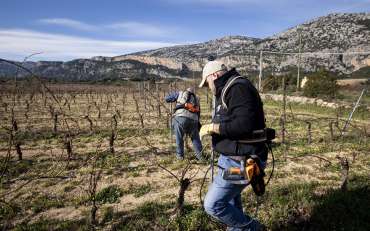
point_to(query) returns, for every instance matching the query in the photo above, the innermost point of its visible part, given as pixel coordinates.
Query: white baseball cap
(210, 68)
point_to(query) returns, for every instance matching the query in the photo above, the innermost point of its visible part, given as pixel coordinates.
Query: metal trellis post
(260, 74)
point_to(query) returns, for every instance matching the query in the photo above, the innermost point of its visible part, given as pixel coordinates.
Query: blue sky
(69, 29)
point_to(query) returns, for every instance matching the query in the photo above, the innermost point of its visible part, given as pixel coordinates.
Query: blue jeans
(182, 126)
(223, 200)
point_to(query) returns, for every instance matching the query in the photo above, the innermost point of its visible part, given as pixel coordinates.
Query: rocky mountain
(95, 69)
(334, 33)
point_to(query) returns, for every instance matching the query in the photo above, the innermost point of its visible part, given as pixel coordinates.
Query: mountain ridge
(336, 32)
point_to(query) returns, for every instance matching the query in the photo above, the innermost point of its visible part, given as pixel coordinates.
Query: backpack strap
(229, 83)
(190, 94)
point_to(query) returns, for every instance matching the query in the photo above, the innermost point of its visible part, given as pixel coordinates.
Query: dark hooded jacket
(243, 115)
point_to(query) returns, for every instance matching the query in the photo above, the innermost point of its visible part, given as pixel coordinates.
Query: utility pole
(299, 58)
(260, 74)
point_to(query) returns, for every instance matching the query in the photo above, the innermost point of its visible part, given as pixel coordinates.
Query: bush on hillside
(273, 83)
(322, 84)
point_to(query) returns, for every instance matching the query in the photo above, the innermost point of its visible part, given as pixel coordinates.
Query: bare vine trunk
(17, 143)
(184, 185)
(90, 123)
(68, 146)
(344, 172)
(55, 127)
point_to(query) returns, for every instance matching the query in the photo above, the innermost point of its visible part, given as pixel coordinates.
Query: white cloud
(18, 43)
(127, 28)
(141, 29)
(70, 23)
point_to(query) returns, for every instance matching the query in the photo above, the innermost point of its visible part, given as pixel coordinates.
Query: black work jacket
(243, 115)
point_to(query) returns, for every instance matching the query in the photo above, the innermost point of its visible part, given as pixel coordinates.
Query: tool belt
(262, 135)
(250, 172)
(257, 136)
(251, 144)
(237, 158)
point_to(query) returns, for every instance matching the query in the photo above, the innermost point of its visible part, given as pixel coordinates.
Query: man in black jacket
(238, 113)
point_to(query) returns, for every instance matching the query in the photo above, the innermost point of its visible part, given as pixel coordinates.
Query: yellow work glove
(209, 129)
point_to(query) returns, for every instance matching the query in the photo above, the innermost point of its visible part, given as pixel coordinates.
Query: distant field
(351, 83)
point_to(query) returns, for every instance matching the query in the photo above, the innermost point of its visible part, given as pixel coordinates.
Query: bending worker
(238, 113)
(186, 120)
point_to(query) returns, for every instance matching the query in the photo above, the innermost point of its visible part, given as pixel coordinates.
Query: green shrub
(321, 83)
(47, 225)
(8, 210)
(108, 161)
(141, 190)
(148, 216)
(195, 218)
(149, 210)
(45, 202)
(110, 194)
(272, 83)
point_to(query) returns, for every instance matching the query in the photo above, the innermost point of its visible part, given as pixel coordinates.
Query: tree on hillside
(273, 83)
(321, 83)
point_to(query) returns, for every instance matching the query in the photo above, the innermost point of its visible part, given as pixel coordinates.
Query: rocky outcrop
(151, 60)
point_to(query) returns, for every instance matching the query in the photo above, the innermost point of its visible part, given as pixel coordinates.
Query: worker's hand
(208, 129)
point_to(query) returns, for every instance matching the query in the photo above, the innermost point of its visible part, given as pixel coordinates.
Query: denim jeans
(223, 200)
(182, 126)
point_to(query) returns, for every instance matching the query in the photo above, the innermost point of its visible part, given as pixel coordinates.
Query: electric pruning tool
(250, 172)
